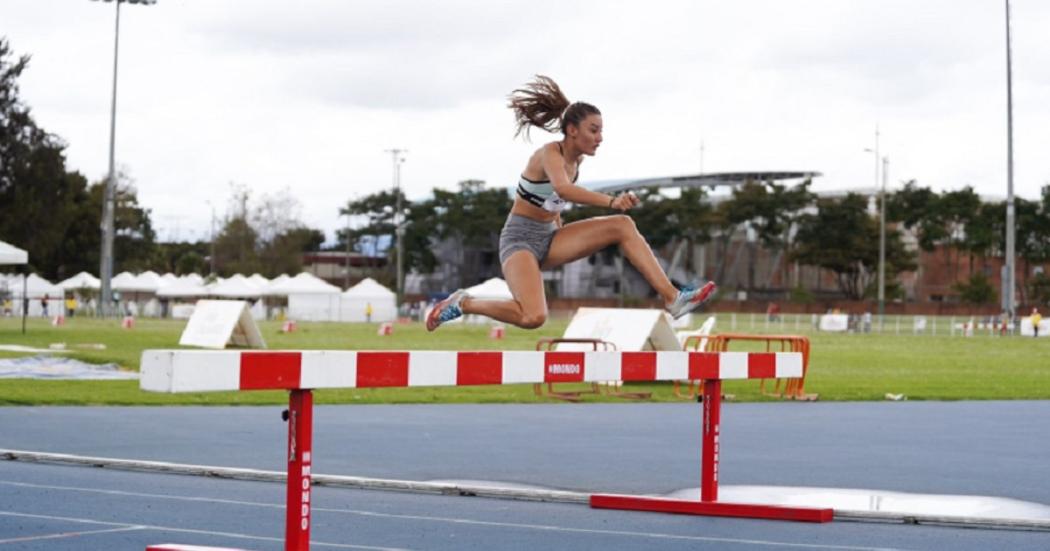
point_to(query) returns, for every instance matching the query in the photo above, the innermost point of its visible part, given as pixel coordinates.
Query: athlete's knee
(533, 320)
(625, 225)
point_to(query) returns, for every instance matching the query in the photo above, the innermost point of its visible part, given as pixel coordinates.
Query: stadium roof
(711, 180)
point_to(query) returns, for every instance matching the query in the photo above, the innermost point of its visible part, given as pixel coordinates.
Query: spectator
(43, 304)
(1036, 318)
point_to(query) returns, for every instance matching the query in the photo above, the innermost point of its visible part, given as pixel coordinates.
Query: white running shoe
(689, 299)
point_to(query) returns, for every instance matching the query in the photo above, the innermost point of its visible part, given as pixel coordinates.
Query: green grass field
(842, 366)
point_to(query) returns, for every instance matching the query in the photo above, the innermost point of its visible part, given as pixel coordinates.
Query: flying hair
(542, 104)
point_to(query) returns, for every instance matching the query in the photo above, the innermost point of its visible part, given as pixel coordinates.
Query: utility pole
(882, 242)
(1008, 287)
(399, 230)
(346, 276)
(109, 193)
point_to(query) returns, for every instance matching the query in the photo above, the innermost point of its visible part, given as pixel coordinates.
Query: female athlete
(534, 239)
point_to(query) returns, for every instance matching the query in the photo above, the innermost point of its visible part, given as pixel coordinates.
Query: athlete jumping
(534, 239)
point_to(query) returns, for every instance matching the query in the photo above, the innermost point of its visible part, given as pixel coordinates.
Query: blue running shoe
(446, 310)
(689, 299)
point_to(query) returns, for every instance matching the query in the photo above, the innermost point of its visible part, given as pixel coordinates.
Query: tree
(844, 238)
(35, 189)
(283, 254)
(917, 208)
(977, 290)
(52, 213)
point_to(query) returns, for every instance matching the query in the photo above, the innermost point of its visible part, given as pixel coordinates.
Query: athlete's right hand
(625, 201)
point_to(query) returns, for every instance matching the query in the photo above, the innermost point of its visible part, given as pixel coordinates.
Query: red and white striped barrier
(206, 370)
(302, 371)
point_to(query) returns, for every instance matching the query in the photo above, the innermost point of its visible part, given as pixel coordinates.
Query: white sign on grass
(219, 323)
(630, 329)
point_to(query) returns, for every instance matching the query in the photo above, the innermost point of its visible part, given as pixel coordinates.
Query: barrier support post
(300, 459)
(709, 504)
(712, 395)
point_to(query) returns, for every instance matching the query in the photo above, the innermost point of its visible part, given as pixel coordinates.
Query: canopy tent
(493, 289)
(310, 298)
(149, 282)
(124, 282)
(304, 283)
(368, 293)
(183, 288)
(83, 280)
(38, 290)
(10, 254)
(259, 281)
(236, 286)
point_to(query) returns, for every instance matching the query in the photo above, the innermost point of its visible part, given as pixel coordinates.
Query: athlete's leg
(586, 237)
(528, 310)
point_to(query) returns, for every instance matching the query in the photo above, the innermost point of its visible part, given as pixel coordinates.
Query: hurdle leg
(712, 418)
(300, 458)
(709, 504)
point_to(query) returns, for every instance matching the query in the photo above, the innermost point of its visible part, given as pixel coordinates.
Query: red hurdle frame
(709, 504)
(300, 372)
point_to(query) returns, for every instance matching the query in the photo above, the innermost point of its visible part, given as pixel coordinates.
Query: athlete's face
(588, 135)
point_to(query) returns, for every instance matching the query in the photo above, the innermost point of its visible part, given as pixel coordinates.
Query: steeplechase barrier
(301, 372)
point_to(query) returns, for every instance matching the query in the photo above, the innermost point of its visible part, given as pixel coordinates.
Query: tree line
(55, 214)
(839, 234)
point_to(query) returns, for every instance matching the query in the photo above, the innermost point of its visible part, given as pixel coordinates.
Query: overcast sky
(306, 95)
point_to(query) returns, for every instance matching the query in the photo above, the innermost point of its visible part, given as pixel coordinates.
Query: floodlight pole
(109, 193)
(399, 230)
(882, 242)
(106, 267)
(1008, 300)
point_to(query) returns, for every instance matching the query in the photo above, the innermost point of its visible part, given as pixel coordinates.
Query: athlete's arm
(554, 166)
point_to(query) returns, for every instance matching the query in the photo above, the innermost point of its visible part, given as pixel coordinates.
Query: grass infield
(842, 366)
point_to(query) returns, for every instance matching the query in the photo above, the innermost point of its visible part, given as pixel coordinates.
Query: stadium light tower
(399, 229)
(1008, 285)
(882, 223)
(109, 195)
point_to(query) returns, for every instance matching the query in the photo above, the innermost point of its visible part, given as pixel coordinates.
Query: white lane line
(233, 535)
(70, 534)
(464, 521)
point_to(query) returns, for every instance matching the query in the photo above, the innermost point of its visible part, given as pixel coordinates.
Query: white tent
(236, 286)
(149, 282)
(83, 280)
(493, 289)
(183, 288)
(309, 298)
(355, 302)
(259, 281)
(125, 282)
(37, 289)
(10, 254)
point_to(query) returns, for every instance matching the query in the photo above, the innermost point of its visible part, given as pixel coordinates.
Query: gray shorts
(525, 234)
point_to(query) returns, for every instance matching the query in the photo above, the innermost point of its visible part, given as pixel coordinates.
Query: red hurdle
(301, 371)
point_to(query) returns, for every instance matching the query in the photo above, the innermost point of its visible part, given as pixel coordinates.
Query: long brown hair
(542, 104)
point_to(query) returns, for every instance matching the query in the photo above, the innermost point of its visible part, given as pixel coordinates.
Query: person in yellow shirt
(71, 306)
(1035, 318)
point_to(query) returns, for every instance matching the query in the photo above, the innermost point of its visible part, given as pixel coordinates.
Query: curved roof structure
(711, 180)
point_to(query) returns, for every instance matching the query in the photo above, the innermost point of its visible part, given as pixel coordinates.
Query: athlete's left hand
(625, 201)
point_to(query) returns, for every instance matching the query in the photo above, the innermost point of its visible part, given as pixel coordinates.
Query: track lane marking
(463, 521)
(233, 535)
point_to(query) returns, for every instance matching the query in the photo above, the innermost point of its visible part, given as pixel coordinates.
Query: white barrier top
(224, 370)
